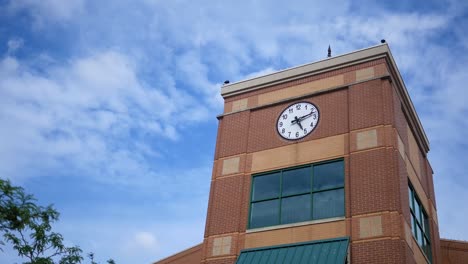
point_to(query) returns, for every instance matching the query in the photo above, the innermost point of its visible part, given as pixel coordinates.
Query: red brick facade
(364, 119)
(454, 252)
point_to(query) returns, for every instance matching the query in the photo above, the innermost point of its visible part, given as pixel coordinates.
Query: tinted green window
(410, 195)
(295, 209)
(427, 248)
(328, 175)
(328, 204)
(426, 226)
(264, 213)
(296, 181)
(417, 211)
(266, 187)
(306, 193)
(420, 223)
(419, 236)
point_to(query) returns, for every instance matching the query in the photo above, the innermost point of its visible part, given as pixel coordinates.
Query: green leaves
(28, 228)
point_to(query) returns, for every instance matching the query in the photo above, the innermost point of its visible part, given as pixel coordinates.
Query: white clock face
(297, 120)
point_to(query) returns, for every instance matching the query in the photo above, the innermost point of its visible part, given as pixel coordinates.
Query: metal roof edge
(302, 70)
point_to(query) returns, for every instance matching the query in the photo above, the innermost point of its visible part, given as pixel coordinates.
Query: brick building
(322, 163)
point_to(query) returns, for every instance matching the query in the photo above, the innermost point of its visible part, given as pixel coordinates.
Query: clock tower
(321, 163)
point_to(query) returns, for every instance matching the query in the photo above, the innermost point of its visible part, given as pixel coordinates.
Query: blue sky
(108, 108)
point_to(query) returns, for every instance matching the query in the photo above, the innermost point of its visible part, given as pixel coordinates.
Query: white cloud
(144, 241)
(156, 68)
(14, 44)
(81, 111)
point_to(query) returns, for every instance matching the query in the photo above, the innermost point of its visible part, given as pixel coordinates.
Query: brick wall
(454, 252)
(384, 251)
(361, 120)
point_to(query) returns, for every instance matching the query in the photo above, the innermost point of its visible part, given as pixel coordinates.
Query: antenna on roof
(329, 51)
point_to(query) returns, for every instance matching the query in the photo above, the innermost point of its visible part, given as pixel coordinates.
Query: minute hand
(303, 117)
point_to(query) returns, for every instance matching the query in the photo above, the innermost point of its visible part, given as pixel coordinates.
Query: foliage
(27, 227)
(91, 257)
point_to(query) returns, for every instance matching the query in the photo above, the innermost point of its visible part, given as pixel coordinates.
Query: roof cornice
(333, 63)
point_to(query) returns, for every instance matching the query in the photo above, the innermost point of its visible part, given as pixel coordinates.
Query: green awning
(331, 251)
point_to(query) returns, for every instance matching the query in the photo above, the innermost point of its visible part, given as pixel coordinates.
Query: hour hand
(298, 121)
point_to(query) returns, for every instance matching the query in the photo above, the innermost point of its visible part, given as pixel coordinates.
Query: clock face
(297, 120)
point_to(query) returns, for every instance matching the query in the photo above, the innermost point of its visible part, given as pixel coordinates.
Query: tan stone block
(296, 234)
(240, 105)
(301, 89)
(370, 226)
(366, 139)
(221, 246)
(217, 242)
(226, 248)
(231, 165)
(300, 153)
(365, 74)
(216, 251)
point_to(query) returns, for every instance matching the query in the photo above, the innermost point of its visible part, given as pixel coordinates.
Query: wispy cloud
(93, 112)
(124, 95)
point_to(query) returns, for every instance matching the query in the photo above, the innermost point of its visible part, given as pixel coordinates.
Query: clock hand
(301, 118)
(306, 116)
(298, 121)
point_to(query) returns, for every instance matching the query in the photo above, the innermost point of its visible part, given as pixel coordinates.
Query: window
(419, 223)
(292, 195)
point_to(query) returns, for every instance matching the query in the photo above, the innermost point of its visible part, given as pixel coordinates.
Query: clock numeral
(297, 120)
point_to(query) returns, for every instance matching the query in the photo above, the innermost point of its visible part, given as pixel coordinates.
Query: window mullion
(311, 192)
(280, 198)
(292, 196)
(411, 198)
(264, 200)
(419, 219)
(329, 189)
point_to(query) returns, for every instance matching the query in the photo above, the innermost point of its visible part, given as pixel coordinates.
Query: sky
(108, 108)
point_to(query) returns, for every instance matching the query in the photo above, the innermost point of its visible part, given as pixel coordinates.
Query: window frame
(311, 192)
(421, 226)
